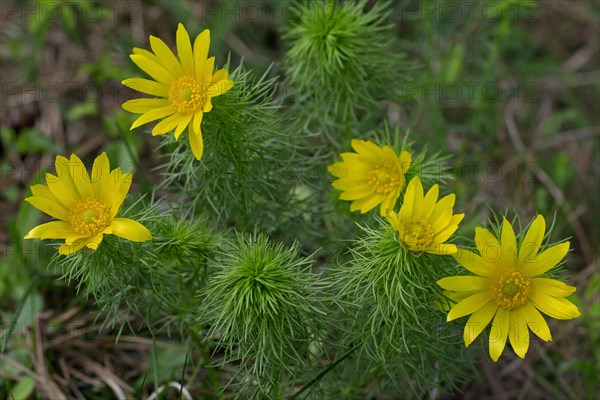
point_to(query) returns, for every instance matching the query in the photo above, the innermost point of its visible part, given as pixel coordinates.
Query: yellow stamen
(416, 233)
(384, 178)
(187, 95)
(89, 217)
(511, 289)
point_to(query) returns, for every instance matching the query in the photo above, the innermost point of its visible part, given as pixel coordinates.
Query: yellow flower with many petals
(184, 86)
(510, 288)
(85, 206)
(424, 223)
(371, 176)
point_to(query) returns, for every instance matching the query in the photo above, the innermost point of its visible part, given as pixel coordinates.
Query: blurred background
(510, 88)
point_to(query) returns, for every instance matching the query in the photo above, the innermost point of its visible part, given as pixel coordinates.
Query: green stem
(331, 366)
(212, 376)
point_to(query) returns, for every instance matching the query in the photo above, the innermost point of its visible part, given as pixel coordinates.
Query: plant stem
(331, 366)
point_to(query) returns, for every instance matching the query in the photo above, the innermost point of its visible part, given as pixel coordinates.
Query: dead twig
(46, 383)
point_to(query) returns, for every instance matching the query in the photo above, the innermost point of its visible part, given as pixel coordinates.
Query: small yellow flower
(424, 223)
(84, 206)
(370, 177)
(184, 86)
(510, 287)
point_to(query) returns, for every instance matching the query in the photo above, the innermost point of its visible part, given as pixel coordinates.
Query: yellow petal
(196, 142)
(143, 105)
(441, 216)
(444, 234)
(551, 287)
(51, 230)
(54, 209)
(389, 203)
(196, 123)
(367, 149)
(456, 296)
(63, 191)
(168, 124)
(478, 321)
(72, 247)
(208, 105)
(488, 246)
(183, 123)
(81, 178)
(473, 263)
(64, 170)
(146, 86)
(508, 243)
(388, 154)
(499, 333)
(153, 115)
(546, 260)
(425, 208)
(357, 192)
(121, 182)
(184, 50)
(94, 242)
(155, 70)
(419, 194)
(558, 308)
(366, 204)
(392, 218)
(209, 66)
(349, 183)
(338, 169)
(535, 321)
(518, 333)
(201, 46)
(443, 249)
(148, 54)
(217, 89)
(408, 203)
(469, 305)
(404, 160)
(351, 158)
(125, 182)
(129, 229)
(63, 183)
(464, 283)
(100, 176)
(530, 245)
(43, 191)
(220, 75)
(166, 56)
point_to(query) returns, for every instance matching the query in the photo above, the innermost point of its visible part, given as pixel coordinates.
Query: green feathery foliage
(248, 176)
(265, 308)
(153, 280)
(391, 302)
(254, 258)
(339, 63)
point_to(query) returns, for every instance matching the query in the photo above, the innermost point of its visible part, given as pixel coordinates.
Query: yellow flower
(84, 206)
(424, 223)
(370, 177)
(184, 86)
(510, 287)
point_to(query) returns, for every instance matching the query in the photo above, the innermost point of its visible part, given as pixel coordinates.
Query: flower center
(89, 217)
(511, 289)
(186, 95)
(384, 178)
(417, 233)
